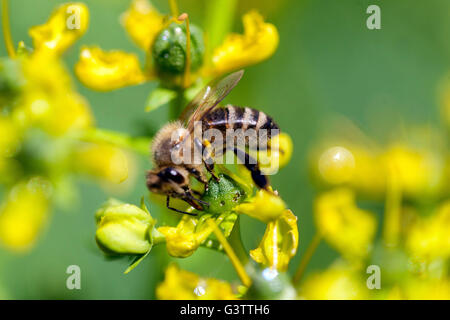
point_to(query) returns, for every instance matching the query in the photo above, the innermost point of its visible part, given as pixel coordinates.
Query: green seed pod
(169, 50)
(223, 195)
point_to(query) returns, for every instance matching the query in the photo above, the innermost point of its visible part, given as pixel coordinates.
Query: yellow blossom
(183, 285)
(108, 70)
(344, 226)
(49, 100)
(429, 238)
(186, 237)
(350, 164)
(143, 23)
(279, 243)
(264, 206)
(336, 283)
(9, 137)
(103, 160)
(23, 215)
(420, 172)
(277, 156)
(259, 42)
(66, 24)
(417, 289)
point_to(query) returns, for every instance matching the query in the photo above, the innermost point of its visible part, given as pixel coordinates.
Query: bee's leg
(198, 175)
(176, 210)
(206, 158)
(251, 164)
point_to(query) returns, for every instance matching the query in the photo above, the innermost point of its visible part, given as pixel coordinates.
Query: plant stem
(7, 30)
(307, 257)
(237, 264)
(173, 8)
(392, 215)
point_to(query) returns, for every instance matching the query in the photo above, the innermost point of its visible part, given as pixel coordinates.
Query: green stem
(7, 30)
(177, 105)
(138, 144)
(307, 257)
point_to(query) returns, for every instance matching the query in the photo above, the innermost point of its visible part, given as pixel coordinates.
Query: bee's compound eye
(172, 174)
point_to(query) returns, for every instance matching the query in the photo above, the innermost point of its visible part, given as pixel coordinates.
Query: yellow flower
(187, 236)
(104, 71)
(9, 137)
(336, 283)
(143, 23)
(420, 172)
(344, 226)
(104, 161)
(49, 100)
(259, 42)
(429, 238)
(123, 228)
(417, 289)
(350, 164)
(23, 214)
(66, 24)
(264, 206)
(279, 243)
(110, 70)
(277, 156)
(183, 285)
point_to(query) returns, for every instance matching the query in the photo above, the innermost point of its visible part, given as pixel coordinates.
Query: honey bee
(172, 170)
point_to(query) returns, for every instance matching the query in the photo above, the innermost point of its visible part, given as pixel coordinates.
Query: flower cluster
(47, 131)
(413, 253)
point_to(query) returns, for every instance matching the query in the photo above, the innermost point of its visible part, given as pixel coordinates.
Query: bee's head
(168, 180)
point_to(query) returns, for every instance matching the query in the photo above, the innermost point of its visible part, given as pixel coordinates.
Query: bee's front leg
(206, 156)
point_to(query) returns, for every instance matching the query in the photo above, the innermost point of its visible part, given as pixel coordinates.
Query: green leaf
(136, 261)
(159, 97)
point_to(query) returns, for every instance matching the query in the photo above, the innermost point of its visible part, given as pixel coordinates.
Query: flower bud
(123, 228)
(169, 50)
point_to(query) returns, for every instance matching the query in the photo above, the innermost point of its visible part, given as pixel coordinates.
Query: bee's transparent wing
(208, 98)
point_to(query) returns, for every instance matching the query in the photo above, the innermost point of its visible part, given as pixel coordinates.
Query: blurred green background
(327, 63)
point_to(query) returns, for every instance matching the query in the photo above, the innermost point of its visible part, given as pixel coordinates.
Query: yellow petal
(429, 238)
(183, 285)
(344, 226)
(66, 24)
(264, 206)
(279, 243)
(336, 283)
(108, 70)
(277, 156)
(23, 215)
(103, 161)
(143, 23)
(186, 237)
(259, 42)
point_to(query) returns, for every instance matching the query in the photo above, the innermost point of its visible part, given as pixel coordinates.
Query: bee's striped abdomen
(244, 118)
(233, 117)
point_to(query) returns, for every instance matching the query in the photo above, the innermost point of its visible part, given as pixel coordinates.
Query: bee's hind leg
(251, 164)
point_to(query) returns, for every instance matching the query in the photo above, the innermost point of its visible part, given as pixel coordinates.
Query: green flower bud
(269, 284)
(169, 50)
(223, 195)
(124, 228)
